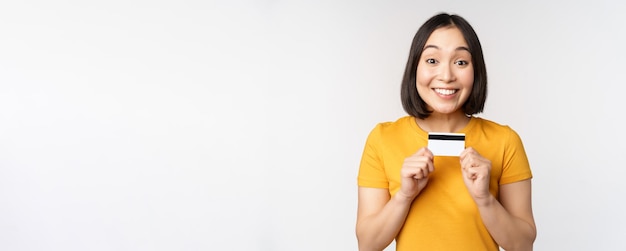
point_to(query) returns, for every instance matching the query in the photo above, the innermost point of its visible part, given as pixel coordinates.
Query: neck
(438, 122)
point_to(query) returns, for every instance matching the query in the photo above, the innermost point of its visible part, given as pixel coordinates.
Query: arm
(380, 216)
(510, 221)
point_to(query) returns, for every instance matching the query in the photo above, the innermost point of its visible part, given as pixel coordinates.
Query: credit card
(446, 144)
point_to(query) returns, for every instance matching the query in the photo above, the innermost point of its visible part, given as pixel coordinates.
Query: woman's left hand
(476, 172)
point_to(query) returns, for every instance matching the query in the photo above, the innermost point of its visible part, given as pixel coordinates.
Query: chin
(446, 111)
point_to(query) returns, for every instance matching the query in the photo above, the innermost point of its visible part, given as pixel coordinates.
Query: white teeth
(445, 91)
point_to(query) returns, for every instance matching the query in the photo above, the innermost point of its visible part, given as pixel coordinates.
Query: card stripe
(446, 137)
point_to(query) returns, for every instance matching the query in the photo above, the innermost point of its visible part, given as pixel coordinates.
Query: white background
(239, 125)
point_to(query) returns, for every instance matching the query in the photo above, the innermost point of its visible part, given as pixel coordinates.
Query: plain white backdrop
(239, 125)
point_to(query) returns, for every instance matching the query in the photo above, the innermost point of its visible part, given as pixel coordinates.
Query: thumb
(424, 151)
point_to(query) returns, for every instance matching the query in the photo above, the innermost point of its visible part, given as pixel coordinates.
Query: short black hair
(411, 101)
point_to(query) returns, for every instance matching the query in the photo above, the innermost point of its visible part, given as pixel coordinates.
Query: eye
(461, 63)
(431, 61)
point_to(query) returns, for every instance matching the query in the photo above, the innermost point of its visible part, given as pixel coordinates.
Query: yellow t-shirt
(443, 216)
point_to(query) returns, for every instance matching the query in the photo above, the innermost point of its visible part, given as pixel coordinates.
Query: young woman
(478, 200)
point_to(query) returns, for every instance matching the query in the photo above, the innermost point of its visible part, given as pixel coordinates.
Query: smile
(445, 91)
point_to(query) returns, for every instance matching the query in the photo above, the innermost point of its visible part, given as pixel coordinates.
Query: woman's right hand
(414, 173)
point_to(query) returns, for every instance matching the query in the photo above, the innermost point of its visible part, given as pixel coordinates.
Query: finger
(428, 169)
(466, 162)
(420, 175)
(424, 151)
(472, 159)
(409, 172)
(429, 158)
(431, 166)
(420, 152)
(420, 172)
(471, 173)
(465, 152)
(428, 153)
(469, 151)
(417, 176)
(412, 172)
(417, 161)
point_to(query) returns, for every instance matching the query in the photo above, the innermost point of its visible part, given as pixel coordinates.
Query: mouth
(445, 92)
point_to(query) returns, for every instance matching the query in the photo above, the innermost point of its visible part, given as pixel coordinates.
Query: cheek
(466, 77)
(423, 77)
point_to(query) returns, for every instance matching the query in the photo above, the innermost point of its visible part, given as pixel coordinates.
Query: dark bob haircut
(411, 100)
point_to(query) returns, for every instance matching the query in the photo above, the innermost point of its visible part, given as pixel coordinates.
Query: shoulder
(388, 131)
(492, 126)
(495, 130)
(392, 127)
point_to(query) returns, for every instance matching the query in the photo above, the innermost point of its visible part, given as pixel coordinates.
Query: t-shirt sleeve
(372, 169)
(516, 165)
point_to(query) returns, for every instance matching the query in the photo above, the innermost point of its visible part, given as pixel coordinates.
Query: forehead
(446, 37)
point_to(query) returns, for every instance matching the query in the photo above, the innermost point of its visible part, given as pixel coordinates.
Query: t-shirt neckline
(467, 128)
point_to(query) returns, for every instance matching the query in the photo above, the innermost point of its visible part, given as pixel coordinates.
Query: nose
(446, 73)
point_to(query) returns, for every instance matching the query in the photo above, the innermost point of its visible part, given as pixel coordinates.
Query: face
(445, 74)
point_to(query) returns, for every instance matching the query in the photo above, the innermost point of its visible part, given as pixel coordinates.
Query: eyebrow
(460, 48)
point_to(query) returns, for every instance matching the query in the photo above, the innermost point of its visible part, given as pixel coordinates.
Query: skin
(444, 81)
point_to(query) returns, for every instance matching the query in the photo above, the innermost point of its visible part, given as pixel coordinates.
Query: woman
(478, 200)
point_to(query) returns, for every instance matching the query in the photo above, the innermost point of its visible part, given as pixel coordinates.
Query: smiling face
(445, 74)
